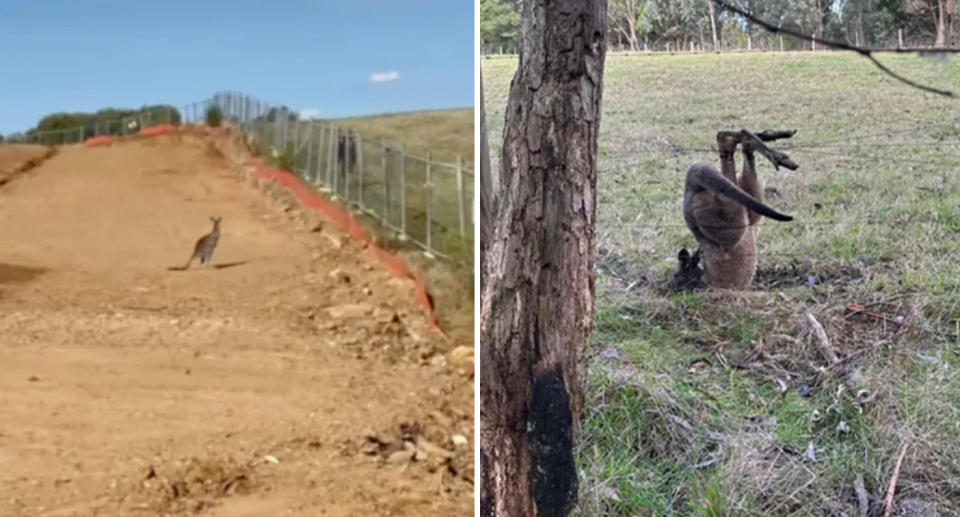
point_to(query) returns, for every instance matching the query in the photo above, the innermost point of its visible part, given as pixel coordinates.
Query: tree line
(98, 122)
(108, 121)
(674, 25)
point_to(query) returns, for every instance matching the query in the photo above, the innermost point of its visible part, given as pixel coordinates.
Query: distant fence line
(426, 201)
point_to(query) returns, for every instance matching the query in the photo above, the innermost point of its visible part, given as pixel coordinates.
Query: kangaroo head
(690, 274)
(216, 220)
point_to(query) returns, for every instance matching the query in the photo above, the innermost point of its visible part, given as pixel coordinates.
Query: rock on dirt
(461, 359)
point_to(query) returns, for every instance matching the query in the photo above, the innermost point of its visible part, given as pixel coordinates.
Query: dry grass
(713, 404)
(446, 134)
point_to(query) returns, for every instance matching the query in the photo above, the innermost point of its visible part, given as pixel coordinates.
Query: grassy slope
(446, 134)
(684, 414)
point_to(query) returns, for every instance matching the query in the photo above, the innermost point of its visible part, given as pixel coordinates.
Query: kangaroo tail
(705, 177)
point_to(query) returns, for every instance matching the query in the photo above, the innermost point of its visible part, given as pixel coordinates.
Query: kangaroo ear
(683, 257)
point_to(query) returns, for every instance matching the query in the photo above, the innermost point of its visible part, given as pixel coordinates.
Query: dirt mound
(117, 363)
(15, 159)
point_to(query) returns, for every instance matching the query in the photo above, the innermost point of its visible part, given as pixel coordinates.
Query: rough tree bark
(486, 184)
(536, 306)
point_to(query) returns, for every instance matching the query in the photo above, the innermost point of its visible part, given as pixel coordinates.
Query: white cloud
(384, 77)
(311, 113)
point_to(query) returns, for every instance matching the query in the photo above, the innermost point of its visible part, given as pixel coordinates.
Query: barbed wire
(863, 51)
(833, 222)
(811, 147)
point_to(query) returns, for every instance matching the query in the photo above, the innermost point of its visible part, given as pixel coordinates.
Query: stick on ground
(888, 501)
(822, 339)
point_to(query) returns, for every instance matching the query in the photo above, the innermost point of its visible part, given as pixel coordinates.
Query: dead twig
(821, 335)
(888, 501)
(862, 501)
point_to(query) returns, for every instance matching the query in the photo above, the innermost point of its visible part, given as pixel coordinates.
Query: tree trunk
(536, 308)
(861, 36)
(949, 13)
(941, 23)
(817, 24)
(487, 201)
(713, 25)
(632, 24)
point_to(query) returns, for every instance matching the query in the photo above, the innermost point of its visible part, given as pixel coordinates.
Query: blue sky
(65, 55)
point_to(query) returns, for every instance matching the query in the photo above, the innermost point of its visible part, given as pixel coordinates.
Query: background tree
(499, 23)
(627, 18)
(674, 24)
(713, 24)
(536, 309)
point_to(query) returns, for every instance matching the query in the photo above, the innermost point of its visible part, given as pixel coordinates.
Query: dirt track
(276, 384)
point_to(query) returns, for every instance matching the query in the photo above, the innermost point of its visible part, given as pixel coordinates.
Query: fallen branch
(888, 501)
(821, 335)
(862, 501)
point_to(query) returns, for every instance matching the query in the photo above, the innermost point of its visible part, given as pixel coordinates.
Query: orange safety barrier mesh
(162, 129)
(344, 221)
(99, 140)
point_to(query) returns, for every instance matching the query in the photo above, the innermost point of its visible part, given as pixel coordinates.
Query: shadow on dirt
(14, 274)
(225, 265)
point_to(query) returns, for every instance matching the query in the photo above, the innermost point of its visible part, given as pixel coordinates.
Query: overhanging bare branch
(863, 51)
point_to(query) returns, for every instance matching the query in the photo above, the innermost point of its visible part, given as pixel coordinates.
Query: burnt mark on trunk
(536, 339)
(486, 495)
(550, 445)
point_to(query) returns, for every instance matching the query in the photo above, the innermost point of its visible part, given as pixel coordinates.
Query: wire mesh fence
(422, 200)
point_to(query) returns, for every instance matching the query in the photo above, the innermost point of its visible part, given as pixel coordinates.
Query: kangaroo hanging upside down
(722, 211)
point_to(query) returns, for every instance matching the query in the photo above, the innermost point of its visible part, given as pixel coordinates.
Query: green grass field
(714, 404)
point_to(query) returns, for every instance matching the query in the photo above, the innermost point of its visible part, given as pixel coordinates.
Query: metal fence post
(276, 129)
(296, 149)
(335, 159)
(308, 172)
(331, 155)
(386, 181)
(463, 225)
(403, 189)
(429, 188)
(285, 132)
(360, 171)
(317, 174)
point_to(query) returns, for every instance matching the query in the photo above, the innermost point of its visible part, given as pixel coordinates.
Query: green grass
(685, 414)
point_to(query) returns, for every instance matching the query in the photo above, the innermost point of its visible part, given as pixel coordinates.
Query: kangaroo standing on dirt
(722, 210)
(203, 250)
